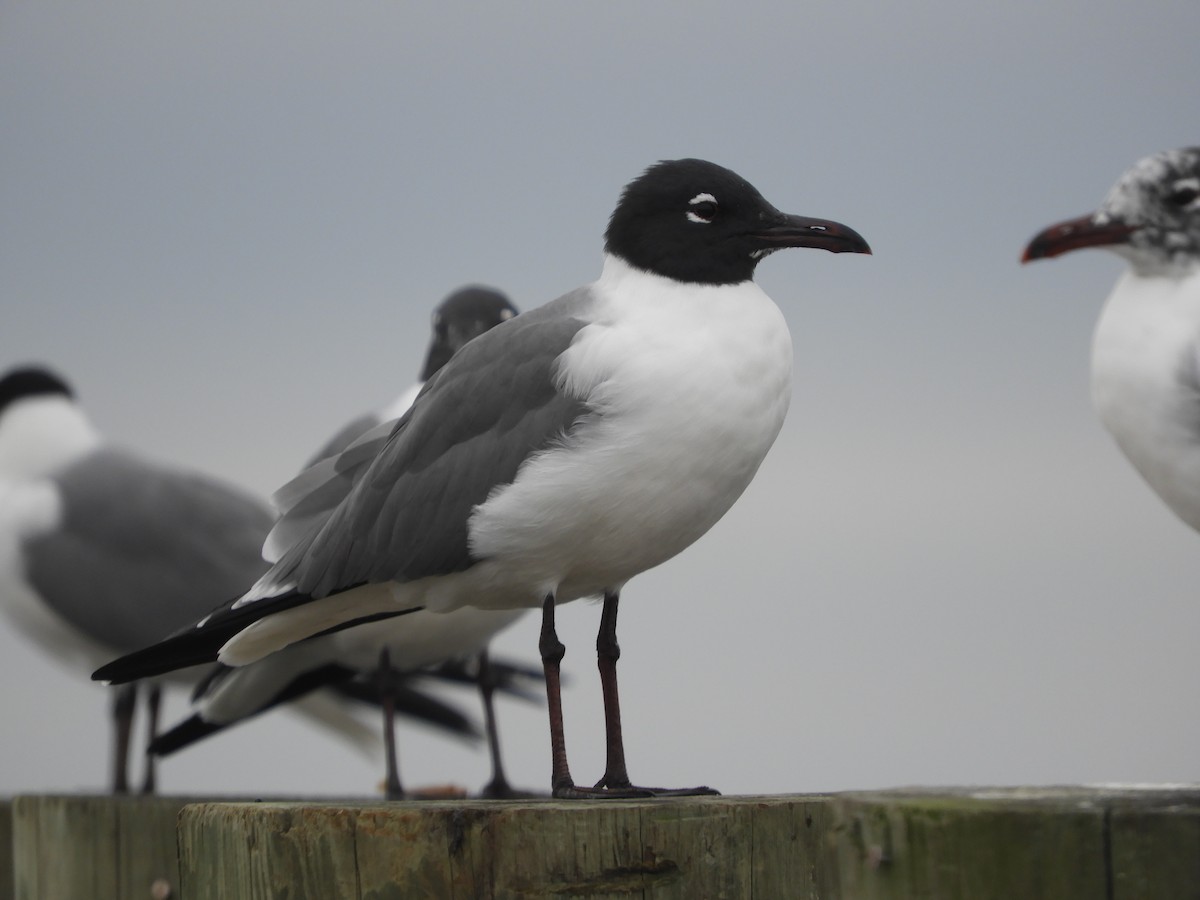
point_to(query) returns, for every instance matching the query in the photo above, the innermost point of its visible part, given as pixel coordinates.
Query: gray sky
(227, 225)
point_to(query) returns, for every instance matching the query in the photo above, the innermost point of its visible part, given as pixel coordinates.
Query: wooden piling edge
(1078, 843)
(1056, 843)
(96, 847)
(7, 874)
(686, 848)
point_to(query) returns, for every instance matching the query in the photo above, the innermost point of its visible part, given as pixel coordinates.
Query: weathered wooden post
(932, 844)
(765, 847)
(1031, 843)
(6, 847)
(96, 847)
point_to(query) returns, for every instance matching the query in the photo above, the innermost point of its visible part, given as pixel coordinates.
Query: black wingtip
(177, 652)
(196, 728)
(196, 644)
(182, 735)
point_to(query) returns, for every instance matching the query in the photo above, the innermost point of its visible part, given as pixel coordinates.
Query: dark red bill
(1076, 234)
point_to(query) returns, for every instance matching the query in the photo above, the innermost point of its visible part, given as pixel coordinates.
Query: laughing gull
(460, 317)
(102, 551)
(561, 453)
(1146, 348)
(408, 645)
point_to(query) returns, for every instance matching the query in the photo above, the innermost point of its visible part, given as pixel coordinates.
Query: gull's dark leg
(552, 651)
(615, 782)
(562, 785)
(153, 706)
(124, 702)
(387, 696)
(498, 787)
(616, 775)
(608, 651)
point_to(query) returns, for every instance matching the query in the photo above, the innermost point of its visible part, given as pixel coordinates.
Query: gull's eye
(1184, 193)
(702, 208)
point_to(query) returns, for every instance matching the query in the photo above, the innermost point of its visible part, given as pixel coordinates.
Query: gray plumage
(125, 574)
(345, 436)
(406, 517)
(307, 500)
(332, 471)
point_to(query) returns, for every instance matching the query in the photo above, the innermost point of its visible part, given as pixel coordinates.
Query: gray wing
(307, 500)
(492, 406)
(143, 551)
(348, 434)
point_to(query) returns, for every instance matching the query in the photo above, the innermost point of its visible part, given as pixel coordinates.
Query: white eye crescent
(703, 208)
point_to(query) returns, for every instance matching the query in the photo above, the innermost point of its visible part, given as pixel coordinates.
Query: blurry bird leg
(124, 701)
(498, 787)
(387, 697)
(153, 705)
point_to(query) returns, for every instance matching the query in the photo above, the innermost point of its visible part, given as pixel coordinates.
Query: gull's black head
(30, 381)
(695, 221)
(1151, 217)
(464, 315)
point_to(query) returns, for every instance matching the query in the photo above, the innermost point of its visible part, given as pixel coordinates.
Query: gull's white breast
(1146, 382)
(690, 385)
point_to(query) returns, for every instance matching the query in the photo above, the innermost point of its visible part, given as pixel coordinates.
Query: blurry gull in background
(463, 315)
(561, 453)
(372, 659)
(102, 551)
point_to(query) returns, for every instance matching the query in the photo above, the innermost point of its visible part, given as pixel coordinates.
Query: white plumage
(1146, 348)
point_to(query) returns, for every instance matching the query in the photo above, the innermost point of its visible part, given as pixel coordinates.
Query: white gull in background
(561, 453)
(1146, 348)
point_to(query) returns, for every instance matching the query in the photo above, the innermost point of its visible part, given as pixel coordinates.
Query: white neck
(41, 434)
(1147, 263)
